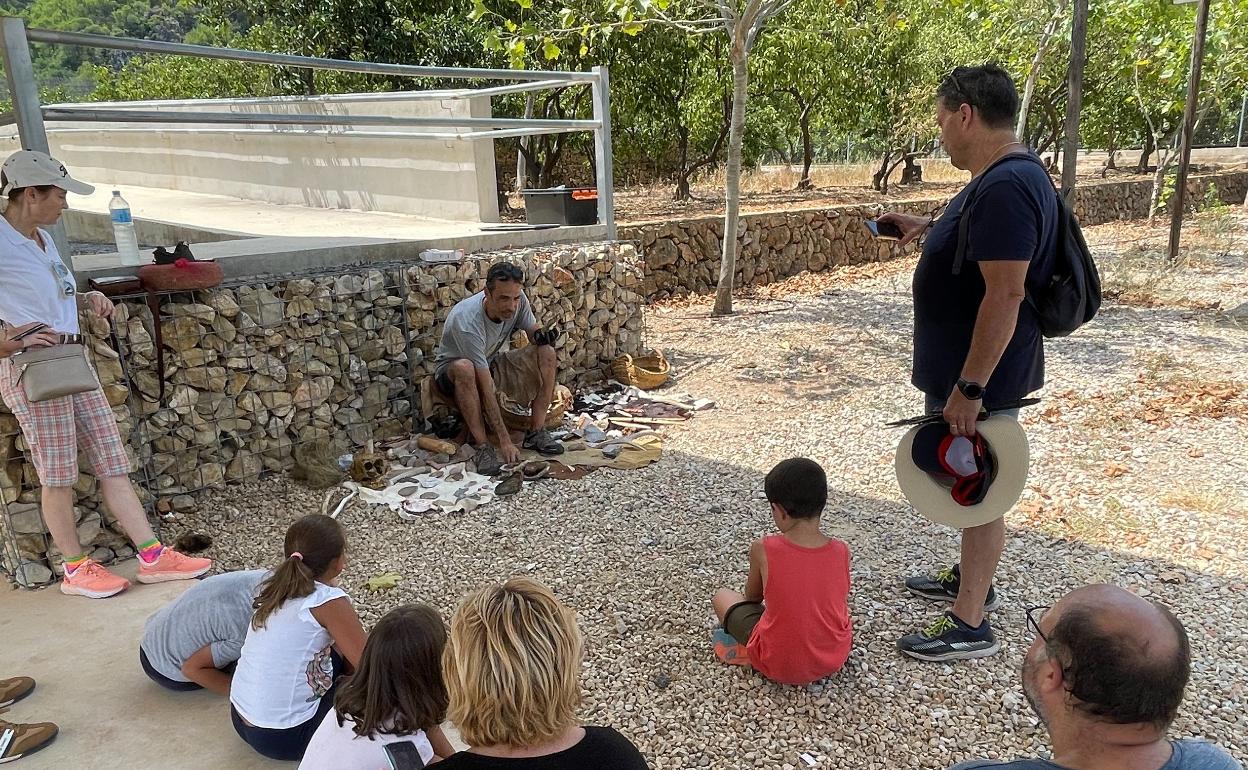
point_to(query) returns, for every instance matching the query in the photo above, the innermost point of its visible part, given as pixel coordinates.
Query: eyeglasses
(1034, 615)
(62, 273)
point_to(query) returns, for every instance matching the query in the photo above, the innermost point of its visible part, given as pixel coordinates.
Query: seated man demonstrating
(1106, 674)
(472, 371)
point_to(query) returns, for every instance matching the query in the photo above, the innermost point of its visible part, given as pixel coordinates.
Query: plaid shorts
(54, 430)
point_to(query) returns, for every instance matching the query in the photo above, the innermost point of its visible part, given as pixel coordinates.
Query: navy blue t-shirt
(1014, 217)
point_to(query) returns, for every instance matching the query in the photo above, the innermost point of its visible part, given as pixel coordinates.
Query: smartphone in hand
(886, 231)
(403, 755)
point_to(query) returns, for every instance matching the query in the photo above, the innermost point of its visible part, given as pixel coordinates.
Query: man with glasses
(1106, 673)
(472, 371)
(977, 345)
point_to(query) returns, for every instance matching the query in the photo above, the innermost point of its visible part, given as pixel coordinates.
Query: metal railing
(30, 115)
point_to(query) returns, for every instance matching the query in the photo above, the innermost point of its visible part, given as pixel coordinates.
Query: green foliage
(859, 69)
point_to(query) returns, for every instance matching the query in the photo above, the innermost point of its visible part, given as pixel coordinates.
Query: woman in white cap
(37, 291)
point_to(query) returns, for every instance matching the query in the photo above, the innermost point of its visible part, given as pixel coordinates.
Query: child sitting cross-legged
(396, 695)
(794, 615)
(303, 630)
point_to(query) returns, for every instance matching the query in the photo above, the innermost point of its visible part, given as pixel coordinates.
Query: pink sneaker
(93, 581)
(171, 565)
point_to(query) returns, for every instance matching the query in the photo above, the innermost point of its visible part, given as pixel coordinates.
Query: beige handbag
(53, 372)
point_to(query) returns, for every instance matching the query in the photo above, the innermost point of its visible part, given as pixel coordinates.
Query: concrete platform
(255, 238)
(83, 654)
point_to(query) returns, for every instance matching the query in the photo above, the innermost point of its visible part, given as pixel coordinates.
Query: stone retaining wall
(682, 257)
(253, 370)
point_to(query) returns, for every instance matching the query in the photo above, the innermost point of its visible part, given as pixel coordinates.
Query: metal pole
(1239, 133)
(20, 74)
(603, 159)
(1074, 97)
(289, 60)
(83, 114)
(1189, 122)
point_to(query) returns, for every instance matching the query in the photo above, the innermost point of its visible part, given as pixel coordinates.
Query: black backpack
(1073, 293)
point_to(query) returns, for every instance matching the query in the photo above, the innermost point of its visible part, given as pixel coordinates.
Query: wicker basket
(646, 372)
(516, 416)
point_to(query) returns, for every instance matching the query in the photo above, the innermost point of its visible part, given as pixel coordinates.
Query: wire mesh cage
(234, 378)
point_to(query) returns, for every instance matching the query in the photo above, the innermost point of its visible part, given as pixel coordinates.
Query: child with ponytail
(303, 629)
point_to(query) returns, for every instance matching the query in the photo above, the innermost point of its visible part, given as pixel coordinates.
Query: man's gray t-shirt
(469, 333)
(1189, 754)
(213, 613)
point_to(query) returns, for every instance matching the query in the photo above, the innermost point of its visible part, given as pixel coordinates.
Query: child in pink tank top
(794, 615)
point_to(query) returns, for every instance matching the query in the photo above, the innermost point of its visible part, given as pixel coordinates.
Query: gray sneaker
(944, 585)
(542, 441)
(487, 461)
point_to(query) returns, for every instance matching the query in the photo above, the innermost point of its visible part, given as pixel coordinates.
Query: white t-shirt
(30, 289)
(285, 667)
(337, 747)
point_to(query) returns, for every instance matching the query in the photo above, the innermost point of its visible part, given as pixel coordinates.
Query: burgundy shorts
(54, 430)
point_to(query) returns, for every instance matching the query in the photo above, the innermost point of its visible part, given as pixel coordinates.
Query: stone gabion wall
(253, 370)
(682, 257)
(1109, 201)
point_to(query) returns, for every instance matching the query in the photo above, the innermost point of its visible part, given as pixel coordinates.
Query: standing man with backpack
(977, 334)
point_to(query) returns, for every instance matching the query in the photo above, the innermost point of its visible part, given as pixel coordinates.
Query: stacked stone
(253, 371)
(683, 257)
(1109, 201)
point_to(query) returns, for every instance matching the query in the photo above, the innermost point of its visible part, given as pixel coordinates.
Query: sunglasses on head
(963, 96)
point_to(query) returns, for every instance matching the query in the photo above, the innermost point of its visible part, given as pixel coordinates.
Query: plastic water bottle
(123, 230)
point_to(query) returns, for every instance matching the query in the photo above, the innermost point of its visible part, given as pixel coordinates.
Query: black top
(1013, 217)
(601, 749)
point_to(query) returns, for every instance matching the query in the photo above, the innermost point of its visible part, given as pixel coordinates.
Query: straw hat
(959, 481)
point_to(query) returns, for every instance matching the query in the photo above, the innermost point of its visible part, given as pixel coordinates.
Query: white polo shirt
(30, 290)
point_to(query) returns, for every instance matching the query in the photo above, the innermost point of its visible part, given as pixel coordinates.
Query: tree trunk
(526, 142)
(682, 192)
(1029, 88)
(1165, 159)
(878, 181)
(808, 150)
(911, 173)
(732, 186)
(1149, 145)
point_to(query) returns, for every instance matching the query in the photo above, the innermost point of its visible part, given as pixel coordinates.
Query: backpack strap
(964, 222)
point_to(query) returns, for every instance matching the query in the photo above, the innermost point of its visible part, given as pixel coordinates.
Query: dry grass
(773, 178)
(1110, 524)
(1200, 501)
(1155, 364)
(1136, 272)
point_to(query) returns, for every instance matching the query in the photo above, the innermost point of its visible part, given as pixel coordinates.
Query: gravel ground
(1139, 477)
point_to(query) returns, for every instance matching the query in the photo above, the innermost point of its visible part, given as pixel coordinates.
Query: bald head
(1125, 660)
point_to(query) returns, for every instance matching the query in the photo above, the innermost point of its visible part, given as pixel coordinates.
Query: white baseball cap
(29, 168)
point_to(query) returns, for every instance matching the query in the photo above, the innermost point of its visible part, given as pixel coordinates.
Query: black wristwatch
(973, 391)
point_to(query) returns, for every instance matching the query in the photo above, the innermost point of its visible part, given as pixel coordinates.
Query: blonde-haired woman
(512, 670)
